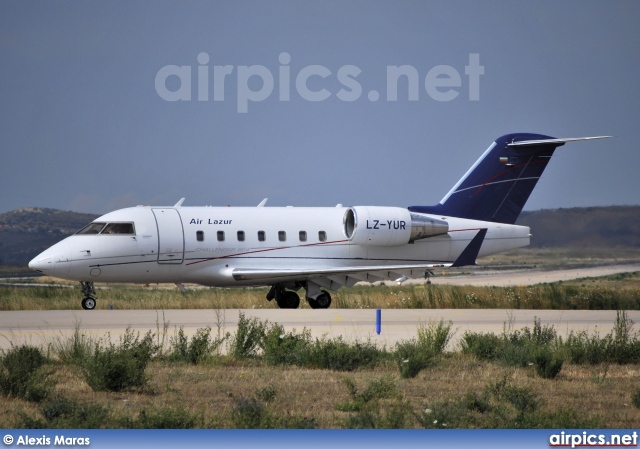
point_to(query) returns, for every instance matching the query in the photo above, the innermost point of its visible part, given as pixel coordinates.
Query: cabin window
(221, 236)
(322, 236)
(200, 236)
(241, 236)
(92, 228)
(261, 236)
(303, 236)
(282, 236)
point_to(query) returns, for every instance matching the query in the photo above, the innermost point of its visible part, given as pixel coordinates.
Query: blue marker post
(378, 321)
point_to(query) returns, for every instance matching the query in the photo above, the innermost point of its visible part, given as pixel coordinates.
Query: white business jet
(312, 248)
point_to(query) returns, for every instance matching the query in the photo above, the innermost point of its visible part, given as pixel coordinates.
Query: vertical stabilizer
(498, 185)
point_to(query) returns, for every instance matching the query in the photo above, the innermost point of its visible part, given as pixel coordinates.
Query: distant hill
(584, 227)
(26, 232)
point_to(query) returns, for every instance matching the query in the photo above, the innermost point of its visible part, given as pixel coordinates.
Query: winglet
(470, 253)
(179, 203)
(262, 203)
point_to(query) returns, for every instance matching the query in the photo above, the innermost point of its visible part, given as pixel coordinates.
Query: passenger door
(170, 236)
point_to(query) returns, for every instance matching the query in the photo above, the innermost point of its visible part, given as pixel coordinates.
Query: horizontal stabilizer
(554, 142)
(470, 253)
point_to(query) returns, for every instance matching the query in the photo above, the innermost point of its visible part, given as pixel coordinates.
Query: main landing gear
(89, 292)
(289, 299)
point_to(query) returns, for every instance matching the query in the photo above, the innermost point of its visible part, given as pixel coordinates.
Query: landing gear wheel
(89, 292)
(88, 303)
(323, 301)
(288, 300)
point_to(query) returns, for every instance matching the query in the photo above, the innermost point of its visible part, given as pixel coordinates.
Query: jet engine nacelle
(389, 226)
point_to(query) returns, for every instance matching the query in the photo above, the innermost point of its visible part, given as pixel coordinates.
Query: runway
(528, 276)
(44, 327)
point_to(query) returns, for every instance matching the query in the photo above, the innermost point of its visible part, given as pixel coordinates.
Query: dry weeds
(601, 393)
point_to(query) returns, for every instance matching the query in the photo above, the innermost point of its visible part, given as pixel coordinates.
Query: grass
(455, 389)
(606, 293)
(211, 393)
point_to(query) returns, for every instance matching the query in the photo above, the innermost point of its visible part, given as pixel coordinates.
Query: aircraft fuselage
(204, 245)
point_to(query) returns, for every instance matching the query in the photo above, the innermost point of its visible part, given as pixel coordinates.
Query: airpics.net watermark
(256, 83)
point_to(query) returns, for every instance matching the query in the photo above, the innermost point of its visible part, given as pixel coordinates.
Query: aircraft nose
(53, 261)
(43, 262)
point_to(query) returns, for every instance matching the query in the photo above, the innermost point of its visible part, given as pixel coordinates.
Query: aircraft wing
(336, 277)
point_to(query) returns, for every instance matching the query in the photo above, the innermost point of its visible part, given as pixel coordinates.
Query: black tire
(288, 300)
(88, 303)
(323, 301)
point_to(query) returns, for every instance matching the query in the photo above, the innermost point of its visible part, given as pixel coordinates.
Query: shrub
(118, 368)
(620, 346)
(75, 350)
(512, 348)
(483, 346)
(249, 337)
(179, 346)
(472, 402)
(547, 362)
(376, 389)
(625, 345)
(199, 349)
(435, 337)
(563, 418)
(520, 346)
(412, 357)
(448, 413)
(396, 415)
(248, 414)
(22, 374)
(280, 348)
(266, 394)
(336, 354)
(201, 346)
(582, 348)
(63, 413)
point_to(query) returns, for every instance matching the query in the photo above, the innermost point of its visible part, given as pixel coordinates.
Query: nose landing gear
(89, 292)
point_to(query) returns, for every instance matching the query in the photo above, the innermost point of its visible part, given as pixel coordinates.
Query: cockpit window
(92, 228)
(118, 228)
(108, 228)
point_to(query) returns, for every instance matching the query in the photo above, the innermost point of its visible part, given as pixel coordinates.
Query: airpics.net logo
(255, 83)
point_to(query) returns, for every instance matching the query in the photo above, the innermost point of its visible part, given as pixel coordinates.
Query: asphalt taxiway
(44, 327)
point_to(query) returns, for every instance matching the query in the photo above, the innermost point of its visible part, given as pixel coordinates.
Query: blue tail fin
(498, 185)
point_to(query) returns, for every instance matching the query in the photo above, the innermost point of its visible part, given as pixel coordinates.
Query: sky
(105, 105)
